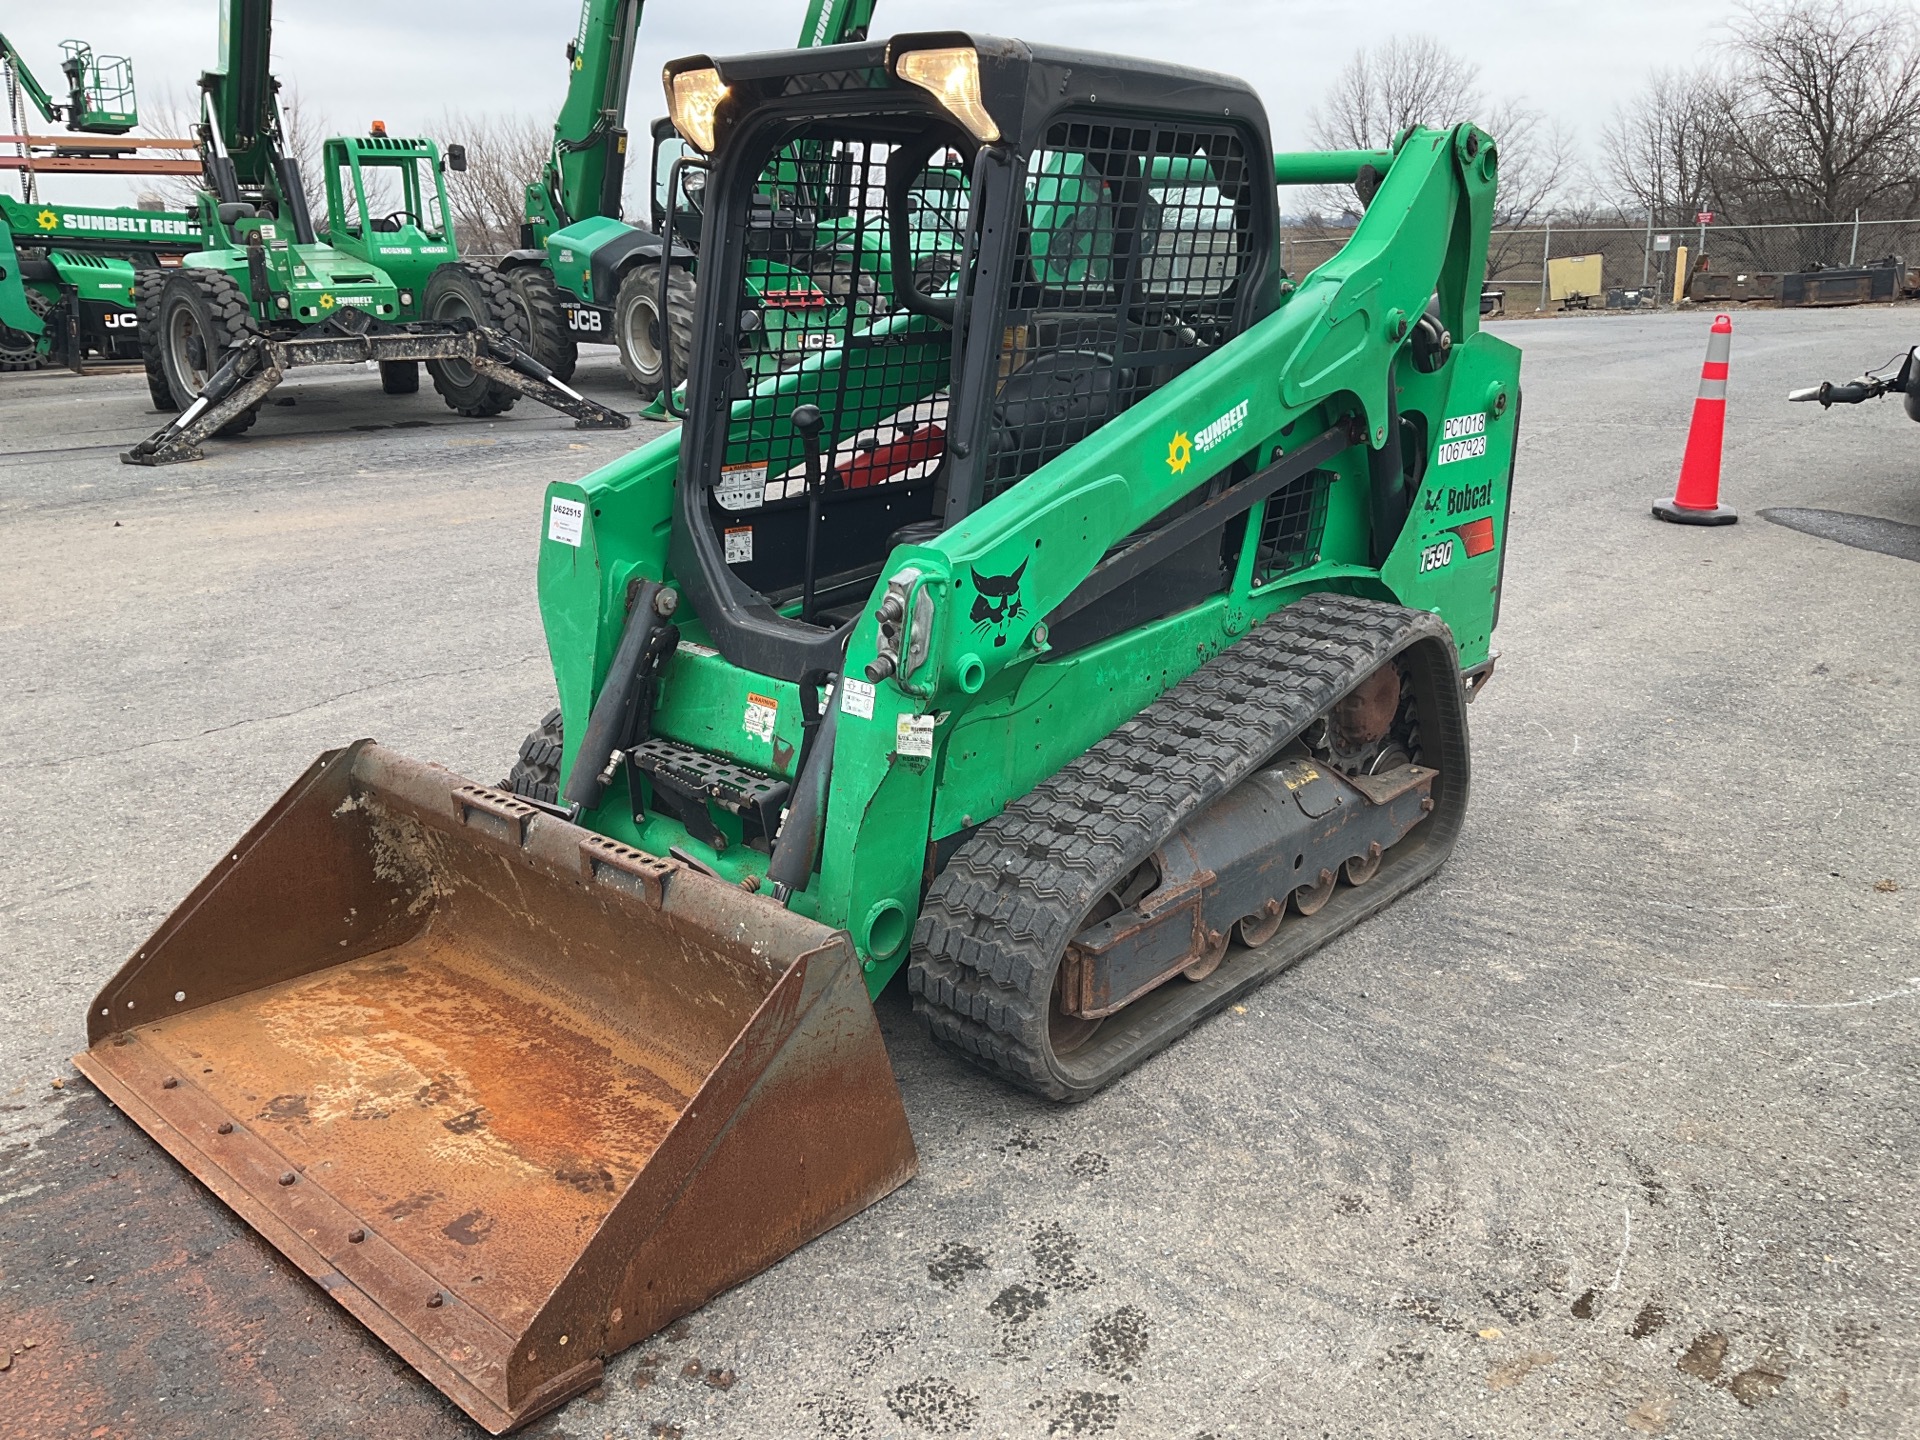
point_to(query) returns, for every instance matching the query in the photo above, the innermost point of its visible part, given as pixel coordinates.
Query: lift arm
(835, 22)
(243, 140)
(19, 75)
(586, 167)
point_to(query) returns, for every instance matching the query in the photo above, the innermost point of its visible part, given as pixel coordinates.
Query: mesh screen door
(1134, 240)
(818, 282)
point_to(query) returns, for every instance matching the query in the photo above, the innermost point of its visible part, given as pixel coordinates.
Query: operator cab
(996, 249)
(380, 185)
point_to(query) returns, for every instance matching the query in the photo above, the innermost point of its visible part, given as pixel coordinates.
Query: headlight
(952, 76)
(693, 96)
(406, 297)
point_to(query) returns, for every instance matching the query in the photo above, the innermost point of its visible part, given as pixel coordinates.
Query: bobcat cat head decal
(996, 603)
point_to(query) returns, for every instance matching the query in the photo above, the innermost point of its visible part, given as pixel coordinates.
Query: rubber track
(1003, 910)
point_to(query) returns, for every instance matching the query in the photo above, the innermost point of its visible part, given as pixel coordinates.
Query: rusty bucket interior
(514, 1094)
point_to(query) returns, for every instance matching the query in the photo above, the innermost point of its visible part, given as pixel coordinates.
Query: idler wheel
(1308, 899)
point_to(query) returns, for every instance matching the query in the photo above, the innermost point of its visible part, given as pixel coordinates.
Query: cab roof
(1022, 86)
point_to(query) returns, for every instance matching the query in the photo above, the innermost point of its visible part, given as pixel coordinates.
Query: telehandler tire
(147, 285)
(637, 330)
(536, 774)
(400, 377)
(468, 290)
(203, 315)
(20, 351)
(553, 344)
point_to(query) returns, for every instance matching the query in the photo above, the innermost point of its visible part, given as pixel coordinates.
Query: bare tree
(1660, 147)
(505, 153)
(1822, 114)
(1415, 80)
(1409, 80)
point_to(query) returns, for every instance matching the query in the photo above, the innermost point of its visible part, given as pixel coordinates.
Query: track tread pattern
(641, 285)
(998, 917)
(226, 304)
(24, 352)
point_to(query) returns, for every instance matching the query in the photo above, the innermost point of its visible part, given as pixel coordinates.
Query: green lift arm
(99, 89)
(835, 22)
(242, 136)
(586, 167)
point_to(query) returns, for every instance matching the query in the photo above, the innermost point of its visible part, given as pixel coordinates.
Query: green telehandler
(379, 281)
(67, 272)
(1148, 681)
(583, 274)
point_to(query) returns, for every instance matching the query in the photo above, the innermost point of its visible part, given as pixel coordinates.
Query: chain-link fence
(1724, 261)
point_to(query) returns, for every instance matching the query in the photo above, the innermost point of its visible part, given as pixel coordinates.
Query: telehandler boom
(583, 273)
(1143, 678)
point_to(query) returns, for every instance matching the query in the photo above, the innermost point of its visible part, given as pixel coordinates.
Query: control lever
(1867, 387)
(808, 421)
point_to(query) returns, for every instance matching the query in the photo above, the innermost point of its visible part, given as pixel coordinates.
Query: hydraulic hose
(799, 842)
(611, 723)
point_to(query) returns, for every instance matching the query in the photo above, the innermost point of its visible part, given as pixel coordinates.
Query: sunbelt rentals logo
(1182, 448)
(1220, 429)
(47, 220)
(1179, 452)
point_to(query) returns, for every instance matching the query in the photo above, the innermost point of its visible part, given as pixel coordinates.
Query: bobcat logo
(996, 602)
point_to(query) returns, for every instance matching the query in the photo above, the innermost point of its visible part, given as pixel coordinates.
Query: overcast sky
(407, 63)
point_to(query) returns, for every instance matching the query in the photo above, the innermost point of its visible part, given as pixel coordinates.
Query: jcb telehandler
(1148, 680)
(380, 281)
(586, 275)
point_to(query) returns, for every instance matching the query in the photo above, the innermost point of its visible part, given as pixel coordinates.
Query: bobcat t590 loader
(1089, 639)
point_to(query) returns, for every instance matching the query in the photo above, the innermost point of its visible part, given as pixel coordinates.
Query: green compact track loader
(1080, 641)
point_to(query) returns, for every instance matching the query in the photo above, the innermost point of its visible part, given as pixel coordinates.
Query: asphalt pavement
(1607, 1130)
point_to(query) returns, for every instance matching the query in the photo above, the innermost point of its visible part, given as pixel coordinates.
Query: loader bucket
(514, 1094)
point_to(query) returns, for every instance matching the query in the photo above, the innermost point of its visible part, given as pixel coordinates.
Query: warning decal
(761, 713)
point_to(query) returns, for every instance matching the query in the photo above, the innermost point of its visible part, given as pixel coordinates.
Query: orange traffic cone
(1696, 500)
